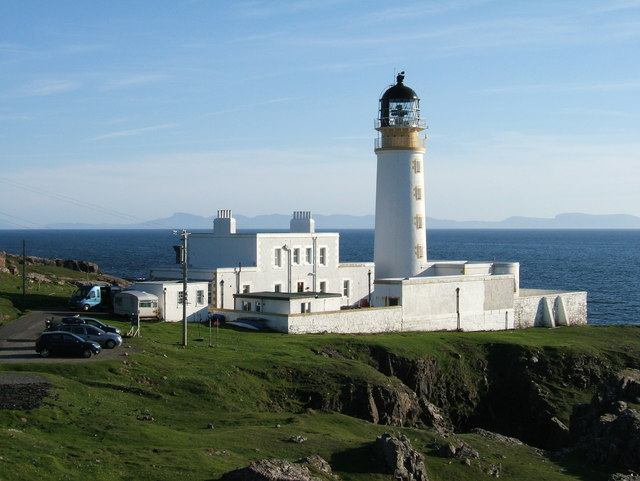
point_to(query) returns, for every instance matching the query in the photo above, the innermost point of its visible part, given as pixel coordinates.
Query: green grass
(145, 416)
(38, 295)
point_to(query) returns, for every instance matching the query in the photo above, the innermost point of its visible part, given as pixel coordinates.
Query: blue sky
(125, 111)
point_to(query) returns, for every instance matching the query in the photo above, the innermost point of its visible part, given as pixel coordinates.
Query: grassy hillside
(50, 287)
(147, 416)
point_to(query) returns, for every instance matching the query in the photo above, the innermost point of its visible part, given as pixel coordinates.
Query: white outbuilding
(168, 297)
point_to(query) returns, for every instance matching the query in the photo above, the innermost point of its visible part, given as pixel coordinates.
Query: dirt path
(18, 338)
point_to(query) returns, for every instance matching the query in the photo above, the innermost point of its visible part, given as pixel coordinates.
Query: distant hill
(182, 220)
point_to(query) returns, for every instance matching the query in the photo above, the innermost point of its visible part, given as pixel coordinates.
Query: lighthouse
(400, 248)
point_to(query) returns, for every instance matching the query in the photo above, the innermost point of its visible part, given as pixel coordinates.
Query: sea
(605, 263)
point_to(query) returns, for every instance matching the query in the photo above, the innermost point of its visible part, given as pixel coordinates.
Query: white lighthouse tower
(400, 248)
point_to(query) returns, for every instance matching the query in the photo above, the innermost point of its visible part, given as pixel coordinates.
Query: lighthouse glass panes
(402, 113)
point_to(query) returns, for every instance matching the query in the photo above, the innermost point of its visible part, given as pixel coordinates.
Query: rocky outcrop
(11, 261)
(607, 430)
(400, 458)
(391, 404)
(312, 468)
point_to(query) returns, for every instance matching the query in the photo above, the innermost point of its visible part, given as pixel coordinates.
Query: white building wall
(211, 250)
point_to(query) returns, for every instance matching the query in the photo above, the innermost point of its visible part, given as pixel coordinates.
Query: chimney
(302, 222)
(225, 224)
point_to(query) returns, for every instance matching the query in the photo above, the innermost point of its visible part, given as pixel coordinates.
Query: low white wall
(349, 321)
(537, 308)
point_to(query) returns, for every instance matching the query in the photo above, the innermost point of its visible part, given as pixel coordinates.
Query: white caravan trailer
(142, 303)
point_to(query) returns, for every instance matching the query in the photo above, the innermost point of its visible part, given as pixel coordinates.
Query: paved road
(18, 338)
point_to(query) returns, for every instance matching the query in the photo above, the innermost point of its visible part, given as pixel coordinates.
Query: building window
(417, 192)
(277, 288)
(300, 286)
(305, 307)
(246, 289)
(323, 256)
(199, 297)
(309, 255)
(323, 286)
(417, 165)
(246, 305)
(180, 297)
(345, 288)
(418, 220)
(419, 251)
(296, 255)
(277, 257)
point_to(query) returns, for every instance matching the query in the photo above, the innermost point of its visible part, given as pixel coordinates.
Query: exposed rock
(271, 470)
(435, 418)
(450, 450)
(496, 437)
(297, 439)
(607, 430)
(624, 477)
(391, 404)
(399, 456)
(317, 463)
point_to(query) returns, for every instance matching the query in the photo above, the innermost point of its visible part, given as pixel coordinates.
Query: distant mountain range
(182, 220)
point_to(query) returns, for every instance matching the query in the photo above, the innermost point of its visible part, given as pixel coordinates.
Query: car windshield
(82, 291)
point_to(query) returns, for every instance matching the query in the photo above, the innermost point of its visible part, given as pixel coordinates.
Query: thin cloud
(134, 80)
(600, 87)
(128, 133)
(45, 87)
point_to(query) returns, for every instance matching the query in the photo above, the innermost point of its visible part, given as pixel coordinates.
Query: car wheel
(110, 344)
(86, 353)
(86, 307)
(44, 352)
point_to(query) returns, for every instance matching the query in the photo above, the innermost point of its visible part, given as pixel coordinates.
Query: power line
(79, 203)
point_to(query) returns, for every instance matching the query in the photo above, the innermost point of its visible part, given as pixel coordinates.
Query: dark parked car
(65, 344)
(92, 333)
(93, 322)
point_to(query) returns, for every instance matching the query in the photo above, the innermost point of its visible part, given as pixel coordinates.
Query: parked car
(108, 340)
(65, 344)
(93, 322)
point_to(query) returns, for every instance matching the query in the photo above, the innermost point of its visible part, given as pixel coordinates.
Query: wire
(77, 202)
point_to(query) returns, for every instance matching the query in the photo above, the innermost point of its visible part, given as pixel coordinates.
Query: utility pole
(183, 258)
(24, 273)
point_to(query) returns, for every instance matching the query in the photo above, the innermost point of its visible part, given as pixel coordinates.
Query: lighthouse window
(418, 221)
(417, 165)
(419, 251)
(417, 192)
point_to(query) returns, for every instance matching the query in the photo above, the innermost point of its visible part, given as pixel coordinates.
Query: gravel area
(18, 338)
(22, 391)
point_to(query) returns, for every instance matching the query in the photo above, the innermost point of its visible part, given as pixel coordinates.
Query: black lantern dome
(399, 106)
